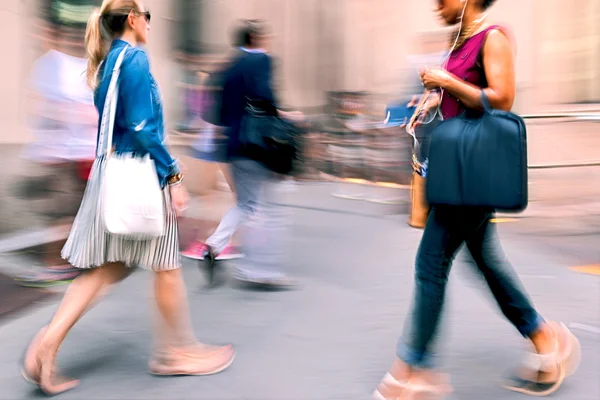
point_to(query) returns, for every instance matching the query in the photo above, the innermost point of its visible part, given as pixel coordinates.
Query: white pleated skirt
(89, 245)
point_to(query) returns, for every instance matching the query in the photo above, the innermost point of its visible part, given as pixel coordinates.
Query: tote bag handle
(110, 109)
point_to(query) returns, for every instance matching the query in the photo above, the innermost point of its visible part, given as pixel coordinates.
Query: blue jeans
(446, 230)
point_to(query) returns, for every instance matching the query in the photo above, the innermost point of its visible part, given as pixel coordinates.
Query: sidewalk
(332, 339)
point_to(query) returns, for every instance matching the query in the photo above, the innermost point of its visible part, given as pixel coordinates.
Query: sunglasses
(123, 17)
(146, 15)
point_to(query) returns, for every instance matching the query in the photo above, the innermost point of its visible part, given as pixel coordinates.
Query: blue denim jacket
(139, 127)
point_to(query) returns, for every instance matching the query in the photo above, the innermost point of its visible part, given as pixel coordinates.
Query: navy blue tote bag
(479, 161)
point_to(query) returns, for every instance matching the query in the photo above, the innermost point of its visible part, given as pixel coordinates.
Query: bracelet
(175, 179)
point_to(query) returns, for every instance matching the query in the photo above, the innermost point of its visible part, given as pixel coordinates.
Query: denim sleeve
(135, 98)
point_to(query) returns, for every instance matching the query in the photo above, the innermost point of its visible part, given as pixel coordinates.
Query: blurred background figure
(429, 50)
(249, 78)
(210, 144)
(191, 94)
(63, 121)
(188, 55)
(345, 126)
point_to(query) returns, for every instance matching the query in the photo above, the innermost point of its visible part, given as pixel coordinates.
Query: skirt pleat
(89, 245)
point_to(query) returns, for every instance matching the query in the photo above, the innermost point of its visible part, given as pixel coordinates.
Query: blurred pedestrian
(192, 96)
(264, 223)
(482, 58)
(211, 145)
(63, 121)
(122, 26)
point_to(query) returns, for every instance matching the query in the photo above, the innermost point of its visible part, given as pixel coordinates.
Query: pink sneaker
(230, 253)
(195, 251)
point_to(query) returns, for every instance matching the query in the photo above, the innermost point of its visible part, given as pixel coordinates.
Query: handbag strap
(107, 123)
(485, 102)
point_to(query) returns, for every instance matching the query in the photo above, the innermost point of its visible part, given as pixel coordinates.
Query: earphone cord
(445, 63)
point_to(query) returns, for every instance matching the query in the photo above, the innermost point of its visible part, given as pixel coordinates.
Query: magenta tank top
(465, 63)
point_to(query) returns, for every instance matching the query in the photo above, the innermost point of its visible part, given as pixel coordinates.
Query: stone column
(16, 44)
(161, 50)
(188, 32)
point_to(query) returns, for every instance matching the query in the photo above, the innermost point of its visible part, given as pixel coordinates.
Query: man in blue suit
(263, 240)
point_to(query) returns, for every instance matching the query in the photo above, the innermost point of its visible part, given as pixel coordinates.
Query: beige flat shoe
(194, 363)
(392, 389)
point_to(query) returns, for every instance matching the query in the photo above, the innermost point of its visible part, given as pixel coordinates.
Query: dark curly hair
(487, 3)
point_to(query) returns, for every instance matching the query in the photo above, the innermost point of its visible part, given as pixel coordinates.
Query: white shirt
(66, 126)
(253, 50)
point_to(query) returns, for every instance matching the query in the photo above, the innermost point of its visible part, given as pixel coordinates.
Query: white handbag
(132, 202)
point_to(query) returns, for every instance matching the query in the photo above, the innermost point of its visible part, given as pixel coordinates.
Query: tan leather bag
(419, 209)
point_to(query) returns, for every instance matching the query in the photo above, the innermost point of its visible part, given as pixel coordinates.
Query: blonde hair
(103, 25)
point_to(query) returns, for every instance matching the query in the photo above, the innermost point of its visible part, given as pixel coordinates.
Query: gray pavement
(335, 337)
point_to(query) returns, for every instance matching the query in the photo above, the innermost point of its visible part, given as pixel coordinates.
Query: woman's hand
(435, 78)
(433, 100)
(430, 105)
(179, 198)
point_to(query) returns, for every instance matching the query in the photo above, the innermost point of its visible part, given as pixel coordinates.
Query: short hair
(249, 30)
(487, 4)
(237, 36)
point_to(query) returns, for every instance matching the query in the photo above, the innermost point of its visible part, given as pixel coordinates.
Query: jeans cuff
(529, 329)
(414, 358)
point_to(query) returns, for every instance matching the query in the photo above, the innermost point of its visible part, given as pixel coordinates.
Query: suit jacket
(248, 77)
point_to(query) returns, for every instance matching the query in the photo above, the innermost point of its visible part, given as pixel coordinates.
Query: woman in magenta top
(482, 58)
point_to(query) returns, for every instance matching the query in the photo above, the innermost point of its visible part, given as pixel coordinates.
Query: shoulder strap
(107, 123)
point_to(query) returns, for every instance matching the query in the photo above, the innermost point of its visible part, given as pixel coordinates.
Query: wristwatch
(175, 179)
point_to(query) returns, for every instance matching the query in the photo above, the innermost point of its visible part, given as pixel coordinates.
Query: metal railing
(589, 116)
(569, 117)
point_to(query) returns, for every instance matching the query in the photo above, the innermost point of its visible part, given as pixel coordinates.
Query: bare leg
(171, 300)
(80, 295)
(177, 350)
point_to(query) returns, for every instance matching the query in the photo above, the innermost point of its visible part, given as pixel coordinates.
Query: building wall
(12, 69)
(342, 45)
(569, 51)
